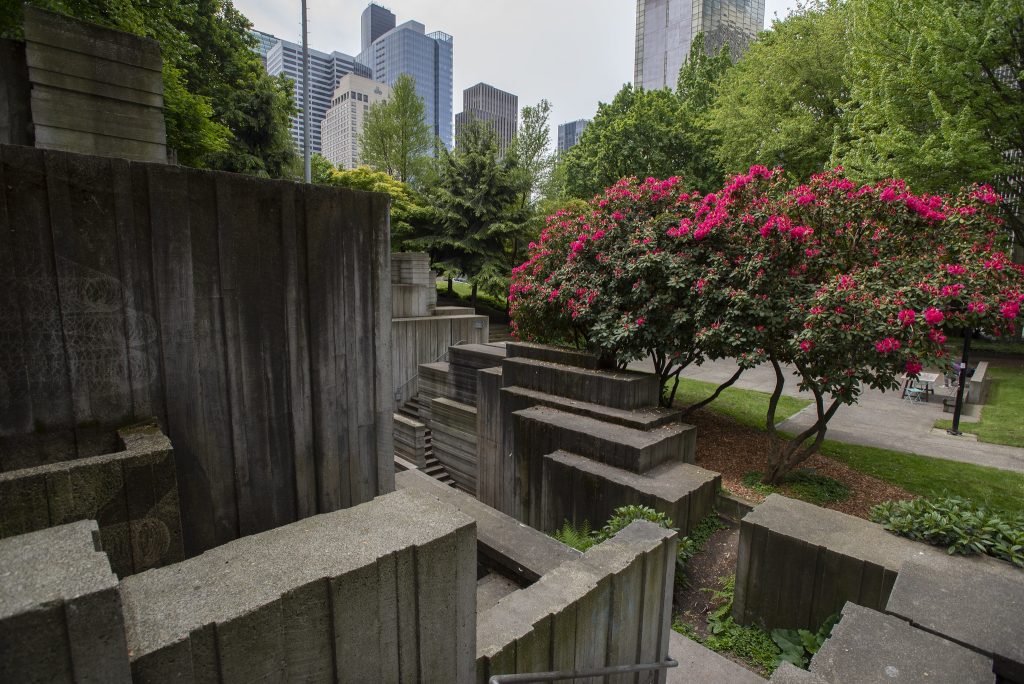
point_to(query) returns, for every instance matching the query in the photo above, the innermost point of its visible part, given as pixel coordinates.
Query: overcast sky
(575, 53)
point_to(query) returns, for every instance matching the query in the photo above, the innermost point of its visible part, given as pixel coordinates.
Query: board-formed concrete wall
(95, 90)
(60, 610)
(382, 592)
(250, 317)
(613, 606)
(132, 493)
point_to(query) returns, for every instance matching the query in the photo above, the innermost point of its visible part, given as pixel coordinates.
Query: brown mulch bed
(734, 450)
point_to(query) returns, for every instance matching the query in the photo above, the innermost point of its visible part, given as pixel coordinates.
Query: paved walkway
(878, 419)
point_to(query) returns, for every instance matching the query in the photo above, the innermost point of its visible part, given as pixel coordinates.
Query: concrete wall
(424, 340)
(94, 90)
(60, 610)
(251, 317)
(382, 592)
(15, 95)
(132, 493)
(613, 606)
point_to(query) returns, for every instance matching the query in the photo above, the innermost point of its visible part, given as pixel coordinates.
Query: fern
(579, 538)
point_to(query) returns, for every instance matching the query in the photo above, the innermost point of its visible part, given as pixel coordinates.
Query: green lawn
(917, 474)
(1002, 417)
(465, 291)
(748, 407)
(927, 476)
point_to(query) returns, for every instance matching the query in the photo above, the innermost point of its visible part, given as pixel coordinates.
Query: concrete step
(578, 488)
(464, 361)
(868, 646)
(543, 352)
(615, 389)
(491, 588)
(979, 608)
(540, 431)
(646, 418)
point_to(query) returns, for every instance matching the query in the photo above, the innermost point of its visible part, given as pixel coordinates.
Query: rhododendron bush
(850, 285)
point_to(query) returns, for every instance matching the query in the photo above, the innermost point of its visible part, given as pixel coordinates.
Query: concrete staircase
(431, 466)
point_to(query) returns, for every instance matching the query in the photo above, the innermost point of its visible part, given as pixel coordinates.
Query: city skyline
(574, 53)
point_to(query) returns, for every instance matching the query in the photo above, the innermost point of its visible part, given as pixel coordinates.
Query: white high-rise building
(343, 123)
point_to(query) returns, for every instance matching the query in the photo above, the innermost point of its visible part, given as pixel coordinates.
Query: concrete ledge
(361, 594)
(646, 418)
(60, 611)
(410, 440)
(519, 550)
(132, 493)
(615, 389)
(976, 608)
(464, 361)
(577, 489)
(612, 606)
(867, 646)
(787, 673)
(543, 352)
(454, 311)
(453, 430)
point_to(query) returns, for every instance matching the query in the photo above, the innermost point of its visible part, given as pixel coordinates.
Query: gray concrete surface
(878, 419)
(868, 647)
(60, 611)
(700, 664)
(976, 608)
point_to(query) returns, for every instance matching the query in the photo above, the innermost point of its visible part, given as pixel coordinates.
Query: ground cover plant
(959, 525)
(752, 645)
(1002, 416)
(851, 285)
(801, 484)
(798, 646)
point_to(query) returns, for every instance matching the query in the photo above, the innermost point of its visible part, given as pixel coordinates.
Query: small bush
(958, 524)
(579, 538)
(797, 646)
(624, 515)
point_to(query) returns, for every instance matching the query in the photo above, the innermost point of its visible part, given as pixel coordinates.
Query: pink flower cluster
(887, 346)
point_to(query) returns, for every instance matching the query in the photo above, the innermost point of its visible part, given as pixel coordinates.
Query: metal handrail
(401, 388)
(524, 677)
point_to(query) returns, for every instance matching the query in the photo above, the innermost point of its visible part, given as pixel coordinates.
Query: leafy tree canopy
(396, 138)
(221, 108)
(780, 105)
(656, 133)
(936, 93)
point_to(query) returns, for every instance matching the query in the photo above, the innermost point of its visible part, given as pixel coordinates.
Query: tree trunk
(451, 288)
(473, 296)
(787, 455)
(721, 388)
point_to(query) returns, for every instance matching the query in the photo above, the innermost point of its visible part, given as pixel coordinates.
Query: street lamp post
(306, 157)
(962, 380)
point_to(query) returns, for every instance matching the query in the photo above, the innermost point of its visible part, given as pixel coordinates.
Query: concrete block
(868, 646)
(616, 389)
(543, 352)
(977, 608)
(453, 433)
(644, 418)
(360, 593)
(788, 545)
(787, 673)
(517, 549)
(60, 612)
(577, 489)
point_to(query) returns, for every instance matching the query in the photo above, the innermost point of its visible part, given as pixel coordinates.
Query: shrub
(579, 538)
(958, 524)
(797, 646)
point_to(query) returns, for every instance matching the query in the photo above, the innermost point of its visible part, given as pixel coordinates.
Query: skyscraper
(484, 102)
(264, 41)
(569, 134)
(325, 73)
(665, 29)
(343, 123)
(376, 22)
(427, 57)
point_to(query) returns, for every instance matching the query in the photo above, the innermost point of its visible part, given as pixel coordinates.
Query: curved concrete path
(878, 419)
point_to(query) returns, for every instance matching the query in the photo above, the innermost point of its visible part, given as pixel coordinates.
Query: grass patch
(1002, 418)
(925, 476)
(1003, 347)
(802, 484)
(748, 407)
(464, 291)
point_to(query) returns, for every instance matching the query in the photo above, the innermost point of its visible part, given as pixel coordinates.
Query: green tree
(780, 105)
(936, 93)
(321, 169)
(221, 108)
(655, 133)
(396, 138)
(409, 213)
(475, 210)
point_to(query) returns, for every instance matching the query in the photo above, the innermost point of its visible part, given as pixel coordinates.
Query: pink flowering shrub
(850, 284)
